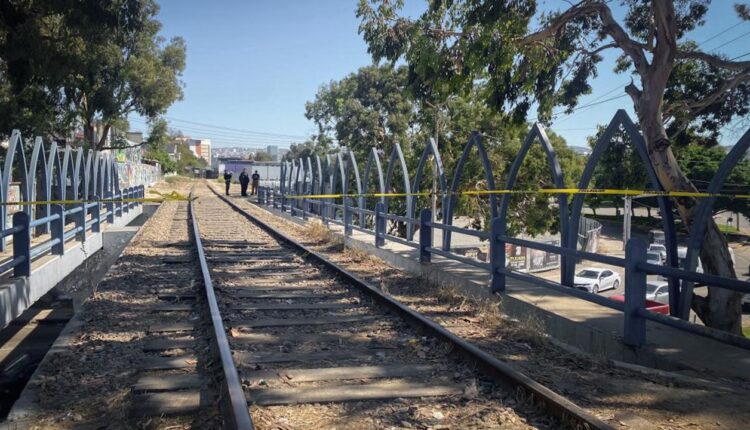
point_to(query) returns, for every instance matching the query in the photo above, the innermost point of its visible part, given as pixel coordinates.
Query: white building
(273, 151)
(201, 148)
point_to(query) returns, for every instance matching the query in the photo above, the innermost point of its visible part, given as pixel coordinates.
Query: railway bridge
(225, 312)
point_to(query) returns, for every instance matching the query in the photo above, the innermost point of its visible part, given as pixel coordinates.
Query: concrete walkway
(582, 324)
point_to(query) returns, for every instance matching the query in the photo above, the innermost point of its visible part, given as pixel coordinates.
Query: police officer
(244, 180)
(227, 179)
(256, 182)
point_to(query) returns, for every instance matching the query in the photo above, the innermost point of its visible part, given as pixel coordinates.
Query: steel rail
(554, 404)
(234, 405)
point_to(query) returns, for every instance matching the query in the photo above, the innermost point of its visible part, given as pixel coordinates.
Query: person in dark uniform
(256, 182)
(227, 179)
(244, 180)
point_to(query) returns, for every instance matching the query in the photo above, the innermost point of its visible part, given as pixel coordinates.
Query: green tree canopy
(156, 145)
(66, 65)
(369, 108)
(548, 59)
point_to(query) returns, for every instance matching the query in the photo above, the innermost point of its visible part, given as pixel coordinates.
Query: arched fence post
(22, 243)
(347, 216)
(497, 255)
(379, 224)
(635, 293)
(425, 235)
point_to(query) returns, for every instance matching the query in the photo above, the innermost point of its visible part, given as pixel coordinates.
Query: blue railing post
(304, 208)
(57, 229)
(379, 225)
(347, 216)
(425, 235)
(117, 210)
(635, 292)
(261, 195)
(96, 227)
(323, 211)
(497, 255)
(22, 244)
(126, 204)
(283, 202)
(110, 207)
(80, 222)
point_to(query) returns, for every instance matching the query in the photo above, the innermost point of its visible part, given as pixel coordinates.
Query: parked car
(651, 305)
(661, 249)
(682, 253)
(595, 279)
(657, 237)
(657, 291)
(653, 257)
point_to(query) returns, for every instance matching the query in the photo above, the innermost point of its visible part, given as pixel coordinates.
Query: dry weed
(316, 231)
(530, 328)
(357, 255)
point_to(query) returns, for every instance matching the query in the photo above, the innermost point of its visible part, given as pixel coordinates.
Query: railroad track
(315, 347)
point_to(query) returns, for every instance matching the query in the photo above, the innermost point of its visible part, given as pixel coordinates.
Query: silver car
(657, 291)
(653, 257)
(659, 248)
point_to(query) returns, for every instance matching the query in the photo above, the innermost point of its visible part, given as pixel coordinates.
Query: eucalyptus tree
(66, 64)
(548, 59)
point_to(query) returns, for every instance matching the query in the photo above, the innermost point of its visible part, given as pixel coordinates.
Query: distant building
(273, 151)
(201, 148)
(581, 150)
(134, 136)
(171, 149)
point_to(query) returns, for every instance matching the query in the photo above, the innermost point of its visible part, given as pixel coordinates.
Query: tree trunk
(103, 139)
(721, 309)
(89, 133)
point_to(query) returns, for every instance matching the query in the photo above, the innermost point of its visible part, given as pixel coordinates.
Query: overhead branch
(631, 47)
(584, 8)
(696, 107)
(713, 60)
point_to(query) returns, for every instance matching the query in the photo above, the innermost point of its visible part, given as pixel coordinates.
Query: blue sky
(252, 65)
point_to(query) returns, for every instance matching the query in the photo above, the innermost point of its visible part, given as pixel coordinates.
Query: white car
(593, 280)
(653, 257)
(661, 249)
(657, 291)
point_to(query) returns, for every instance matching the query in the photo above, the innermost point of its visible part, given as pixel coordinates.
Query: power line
(229, 136)
(244, 131)
(721, 33)
(730, 41)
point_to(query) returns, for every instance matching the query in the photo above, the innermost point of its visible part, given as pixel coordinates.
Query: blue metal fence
(332, 176)
(56, 174)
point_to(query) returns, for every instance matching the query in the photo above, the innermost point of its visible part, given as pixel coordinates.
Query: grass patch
(746, 331)
(727, 228)
(175, 179)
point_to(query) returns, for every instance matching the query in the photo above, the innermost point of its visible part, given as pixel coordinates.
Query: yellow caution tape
(173, 196)
(568, 191)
